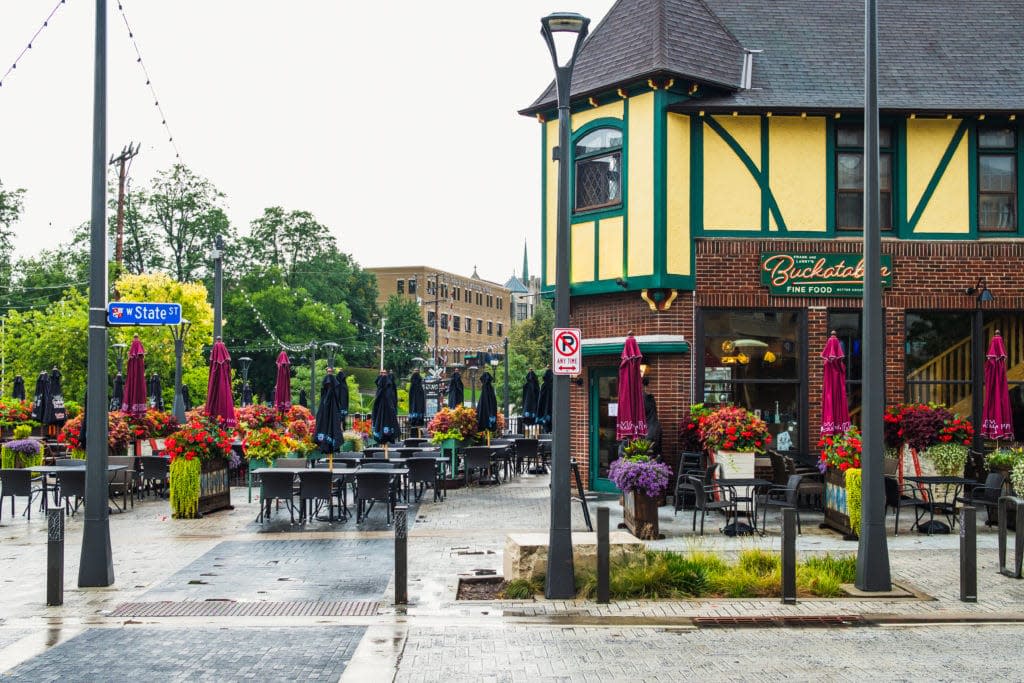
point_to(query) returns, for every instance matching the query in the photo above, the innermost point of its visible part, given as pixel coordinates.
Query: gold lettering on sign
(782, 270)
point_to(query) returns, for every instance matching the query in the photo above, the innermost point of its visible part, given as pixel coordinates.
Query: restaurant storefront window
(938, 359)
(847, 327)
(756, 359)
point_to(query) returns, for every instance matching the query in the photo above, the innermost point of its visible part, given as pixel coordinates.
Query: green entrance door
(604, 402)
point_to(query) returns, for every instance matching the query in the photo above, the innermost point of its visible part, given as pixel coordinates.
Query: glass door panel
(604, 448)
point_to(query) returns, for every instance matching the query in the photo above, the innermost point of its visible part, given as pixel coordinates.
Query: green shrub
(22, 432)
(759, 562)
(853, 498)
(949, 458)
(522, 589)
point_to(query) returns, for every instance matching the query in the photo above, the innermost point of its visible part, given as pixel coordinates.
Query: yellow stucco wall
(609, 259)
(611, 110)
(581, 255)
(948, 210)
(677, 195)
(551, 202)
(732, 198)
(640, 192)
(797, 165)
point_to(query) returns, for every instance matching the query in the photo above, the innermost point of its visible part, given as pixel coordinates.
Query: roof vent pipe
(748, 68)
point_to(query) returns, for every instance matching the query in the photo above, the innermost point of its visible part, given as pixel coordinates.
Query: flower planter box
(736, 464)
(214, 486)
(837, 515)
(640, 513)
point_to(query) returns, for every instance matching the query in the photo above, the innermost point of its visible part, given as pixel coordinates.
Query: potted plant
(735, 436)
(200, 451)
(118, 435)
(265, 445)
(20, 453)
(1017, 473)
(1003, 459)
(949, 455)
(450, 429)
(354, 442)
(642, 482)
(839, 461)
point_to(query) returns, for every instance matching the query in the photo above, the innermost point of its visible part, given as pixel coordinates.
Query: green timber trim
(660, 180)
(902, 225)
(933, 183)
(634, 284)
(759, 177)
(696, 185)
(615, 349)
(972, 179)
(830, 178)
(595, 215)
(1020, 177)
(625, 186)
(543, 206)
(765, 222)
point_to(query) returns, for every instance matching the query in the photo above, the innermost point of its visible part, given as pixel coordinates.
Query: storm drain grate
(228, 608)
(781, 622)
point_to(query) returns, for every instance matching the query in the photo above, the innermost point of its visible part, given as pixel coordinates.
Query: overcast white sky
(393, 122)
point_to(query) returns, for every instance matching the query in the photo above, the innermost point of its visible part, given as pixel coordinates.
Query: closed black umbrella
(246, 394)
(487, 406)
(19, 388)
(417, 401)
(384, 416)
(328, 421)
(156, 392)
(41, 396)
(654, 431)
(342, 397)
(303, 401)
(117, 398)
(544, 401)
(456, 391)
(186, 399)
(531, 393)
(54, 411)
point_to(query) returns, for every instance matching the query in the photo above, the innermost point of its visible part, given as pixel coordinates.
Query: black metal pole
(968, 554)
(55, 557)
(179, 402)
(976, 461)
(312, 378)
(96, 566)
(603, 576)
(788, 556)
(873, 553)
(401, 555)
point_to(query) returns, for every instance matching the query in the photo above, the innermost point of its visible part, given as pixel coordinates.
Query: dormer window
(598, 157)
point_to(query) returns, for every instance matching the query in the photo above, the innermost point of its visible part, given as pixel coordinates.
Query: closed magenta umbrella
(384, 416)
(219, 401)
(544, 401)
(631, 422)
(456, 391)
(328, 419)
(283, 386)
(135, 380)
(996, 417)
(835, 413)
(417, 401)
(487, 406)
(531, 394)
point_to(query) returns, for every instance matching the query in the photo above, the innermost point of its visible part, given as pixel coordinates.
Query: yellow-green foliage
(22, 432)
(184, 496)
(853, 504)
(78, 454)
(10, 459)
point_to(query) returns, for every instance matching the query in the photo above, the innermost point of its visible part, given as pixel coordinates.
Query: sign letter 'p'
(566, 351)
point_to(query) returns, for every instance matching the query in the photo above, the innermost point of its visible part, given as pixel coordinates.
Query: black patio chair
(689, 466)
(478, 459)
(372, 487)
(781, 498)
(316, 487)
(277, 486)
(18, 483)
(898, 498)
(155, 474)
(415, 442)
(704, 501)
(423, 473)
(71, 484)
(986, 496)
(526, 454)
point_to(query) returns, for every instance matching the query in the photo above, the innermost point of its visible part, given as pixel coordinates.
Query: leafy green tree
(408, 333)
(529, 347)
(54, 336)
(284, 241)
(11, 202)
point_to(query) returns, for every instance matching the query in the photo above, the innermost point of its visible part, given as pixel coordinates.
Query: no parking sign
(566, 350)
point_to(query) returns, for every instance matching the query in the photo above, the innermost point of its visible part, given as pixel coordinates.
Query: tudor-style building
(717, 184)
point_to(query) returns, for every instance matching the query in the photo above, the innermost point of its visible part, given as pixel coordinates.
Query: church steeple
(526, 267)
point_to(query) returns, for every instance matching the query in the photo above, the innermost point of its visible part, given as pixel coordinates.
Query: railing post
(602, 555)
(55, 557)
(968, 554)
(401, 555)
(788, 556)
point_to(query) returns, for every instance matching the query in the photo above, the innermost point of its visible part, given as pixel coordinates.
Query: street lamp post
(96, 565)
(331, 349)
(119, 353)
(243, 365)
(560, 583)
(873, 554)
(507, 416)
(472, 382)
(217, 254)
(981, 295)
(178, 333)
(312, 377)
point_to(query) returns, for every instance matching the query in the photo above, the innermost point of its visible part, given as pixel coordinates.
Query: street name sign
(135, 313)
(566, 351)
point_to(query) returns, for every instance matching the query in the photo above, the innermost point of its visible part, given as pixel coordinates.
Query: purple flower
(26, 446)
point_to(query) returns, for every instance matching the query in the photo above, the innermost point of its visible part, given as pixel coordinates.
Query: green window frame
(848, 166)
(597, 169)
(998, 178)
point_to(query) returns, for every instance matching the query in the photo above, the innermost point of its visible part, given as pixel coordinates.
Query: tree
(529, 348)
(10, 211)
(286, 240)
(184, 210)
(54, 336)
(408, 334)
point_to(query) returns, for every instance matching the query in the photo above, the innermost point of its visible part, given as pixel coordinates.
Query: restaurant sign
(818, 274)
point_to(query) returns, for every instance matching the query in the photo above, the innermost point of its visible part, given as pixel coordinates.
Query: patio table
(931, 505)
(57, 469)
(735, 528)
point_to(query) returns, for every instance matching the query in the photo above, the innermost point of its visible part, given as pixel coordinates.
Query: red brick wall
(926, 276)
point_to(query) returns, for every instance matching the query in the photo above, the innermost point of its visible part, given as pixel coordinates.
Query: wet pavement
(303, 576)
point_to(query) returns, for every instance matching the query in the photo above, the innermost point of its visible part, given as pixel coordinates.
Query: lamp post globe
(564, 26)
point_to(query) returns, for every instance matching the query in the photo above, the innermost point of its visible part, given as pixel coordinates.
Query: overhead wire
(28, 46)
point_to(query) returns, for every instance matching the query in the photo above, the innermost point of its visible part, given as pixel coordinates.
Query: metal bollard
(602, 555)
(788, 556)
(968, 554)
(401, 555)
(54, 557)
(1018, 551)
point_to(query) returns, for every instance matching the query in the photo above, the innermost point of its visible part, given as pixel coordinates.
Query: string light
(24, 50)
(149, 80)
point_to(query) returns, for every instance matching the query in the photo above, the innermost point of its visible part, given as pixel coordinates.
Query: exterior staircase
(955, 364)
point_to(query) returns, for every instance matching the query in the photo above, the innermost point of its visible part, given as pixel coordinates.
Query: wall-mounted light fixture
(621, 282)
(980, 291)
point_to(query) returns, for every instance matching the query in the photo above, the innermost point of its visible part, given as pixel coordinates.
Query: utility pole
(382, 321)
(217, 254)
(124, 161)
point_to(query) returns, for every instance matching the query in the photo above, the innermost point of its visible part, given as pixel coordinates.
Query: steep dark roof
(639, 38)
(939, 55)
(934, 55)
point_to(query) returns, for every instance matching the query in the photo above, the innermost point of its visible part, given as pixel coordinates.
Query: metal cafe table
(57, 469)
(752, 485)
(928, 503)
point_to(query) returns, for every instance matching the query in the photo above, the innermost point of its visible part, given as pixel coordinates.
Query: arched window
(598, 157)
